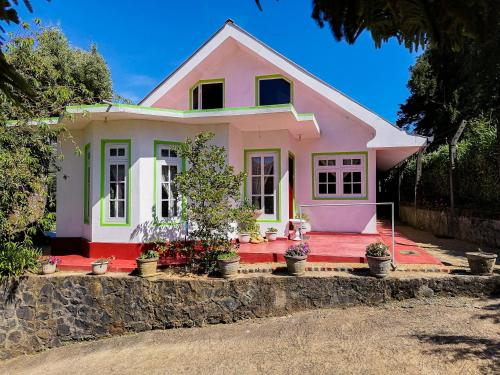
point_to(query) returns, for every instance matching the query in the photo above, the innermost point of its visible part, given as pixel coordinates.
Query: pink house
(299, 140)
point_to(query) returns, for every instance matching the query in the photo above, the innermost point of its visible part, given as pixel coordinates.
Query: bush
(18, 257)
(300, 250)
(377, 249)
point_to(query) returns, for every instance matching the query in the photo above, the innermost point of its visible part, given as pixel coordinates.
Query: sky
(144, 41)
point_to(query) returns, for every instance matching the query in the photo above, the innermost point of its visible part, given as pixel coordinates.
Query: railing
(393, 254)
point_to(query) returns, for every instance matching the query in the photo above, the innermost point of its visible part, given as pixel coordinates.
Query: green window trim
(290, 153)
(157, 220)
(248, 151)
(271, 76)
(204, 81)
(313, 170)
(104, 142)
(86, 181)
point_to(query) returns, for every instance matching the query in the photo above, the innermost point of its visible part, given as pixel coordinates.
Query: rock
(424, 292)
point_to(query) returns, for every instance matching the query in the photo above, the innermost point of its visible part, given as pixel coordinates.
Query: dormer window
(208, 94)
(273, 90)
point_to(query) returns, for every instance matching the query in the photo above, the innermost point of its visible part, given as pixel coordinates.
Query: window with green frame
(208, 94)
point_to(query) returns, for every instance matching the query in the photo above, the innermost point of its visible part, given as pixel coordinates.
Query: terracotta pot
(379, 266)
(229, 267)
(99, 268)
(147, 267)
(296, 266)
(271, 236)
(481, 263)
(48, 268)
(244, 237)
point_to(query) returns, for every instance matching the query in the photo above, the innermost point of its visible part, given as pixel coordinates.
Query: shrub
(227, 255)
(245, 218)
(149, 254)
(18, 257)
(377, 249)
(299, 250)
(50, 260)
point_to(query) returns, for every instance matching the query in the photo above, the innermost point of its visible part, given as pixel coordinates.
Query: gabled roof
(387, 135)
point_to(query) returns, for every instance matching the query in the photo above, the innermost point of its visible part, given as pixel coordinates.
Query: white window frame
(276, 168)
(339, 169)
(162, 161)
(116, 160)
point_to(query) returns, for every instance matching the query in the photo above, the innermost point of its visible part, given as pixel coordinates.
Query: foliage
(245, 218)
(149, 254)
(104, 260)
(210, 188)
(227, 255)
(272, 230)
(299, 250)
(377, 249)
(18, 257)
(302, 216)
(50, 260)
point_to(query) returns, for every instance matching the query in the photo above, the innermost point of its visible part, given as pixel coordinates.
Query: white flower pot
(99, 268)
(244, 237)
(271, 236)
(48, 268)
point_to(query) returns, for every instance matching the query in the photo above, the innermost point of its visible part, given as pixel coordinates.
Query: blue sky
(143, 41)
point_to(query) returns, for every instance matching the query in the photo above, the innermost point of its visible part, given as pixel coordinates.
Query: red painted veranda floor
(325, 247)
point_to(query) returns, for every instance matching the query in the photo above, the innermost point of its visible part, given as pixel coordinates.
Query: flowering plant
(104, 260)
(50, 260)
(300, 250)
(377, 249)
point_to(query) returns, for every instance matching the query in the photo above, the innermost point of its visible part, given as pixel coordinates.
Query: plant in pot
(229, 263)
(246, 222)
(100, 266)
(147, 263)
(379, 259)
(481, 263)
(296, 258)
(49, 264)
(271, 234)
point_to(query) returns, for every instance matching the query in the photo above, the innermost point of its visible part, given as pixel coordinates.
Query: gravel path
(435, 336)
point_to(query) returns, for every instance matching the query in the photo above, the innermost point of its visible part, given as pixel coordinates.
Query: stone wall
(40, 312)
(473, 229)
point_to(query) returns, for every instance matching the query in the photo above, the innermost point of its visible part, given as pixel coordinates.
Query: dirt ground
(435, 336)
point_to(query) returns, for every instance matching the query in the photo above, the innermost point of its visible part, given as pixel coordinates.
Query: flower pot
(147, 267)
(271, 236)
(229, 267)
(48, 268)
(481, 263)
(244, 237)
(296, 266)
(100, 268)
(379, 266)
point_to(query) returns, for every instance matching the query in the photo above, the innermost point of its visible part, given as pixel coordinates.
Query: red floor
(325, 247)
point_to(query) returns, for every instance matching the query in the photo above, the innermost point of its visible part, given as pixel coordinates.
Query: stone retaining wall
(40, 312)
(473, 229)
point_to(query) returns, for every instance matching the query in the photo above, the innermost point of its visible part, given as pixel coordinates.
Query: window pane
(269, 165)
(347, 177)
(256, 185)
(173, 172)
(274, 91)
(322, 177)
(112, 152)
(112, 191)
(322, 163)
(121, 172)
(174, 206)
(256, 202)
(164, 152)
(356, 161)
(195, 98)
(121, 208)
(173, 153)
(332, 189)
(164, 209)
(212, 95)
(256, 166)
(332, 177)
(346, 162)
(269, 205)
(164, 191)
(322, 188)
(356, 176)
(112, 209)
(347, 189)
(112, 172)
(121, 152)
(269, 185)
(121, 190)
(164, 173)
(331, 162)
(356, 189)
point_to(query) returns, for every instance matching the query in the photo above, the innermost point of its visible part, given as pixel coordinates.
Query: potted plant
(100, 266)
(147, 263)
(481, 263)
(228, 262)
(246, 222)
(296, 258)
(379, 259)
(49, 264)
(271, 234)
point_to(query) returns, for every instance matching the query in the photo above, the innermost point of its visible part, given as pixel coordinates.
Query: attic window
(273, 90)
(208, 95)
